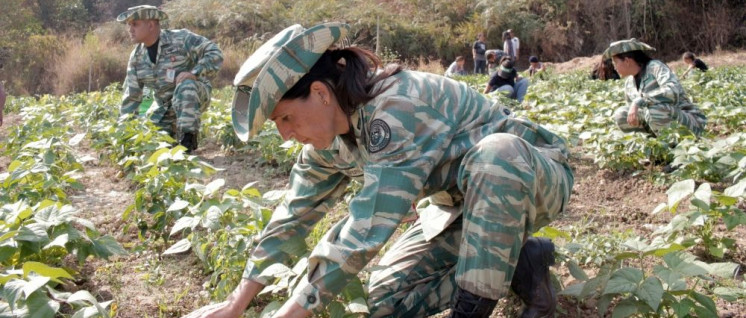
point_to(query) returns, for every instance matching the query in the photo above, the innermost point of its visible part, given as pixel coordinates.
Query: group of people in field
(491, 179)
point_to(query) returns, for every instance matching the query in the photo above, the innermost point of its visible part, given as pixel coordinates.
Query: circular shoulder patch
(379, 136)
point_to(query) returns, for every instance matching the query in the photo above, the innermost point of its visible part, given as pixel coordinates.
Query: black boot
(531, 281)
(189, 140)
(470, 305)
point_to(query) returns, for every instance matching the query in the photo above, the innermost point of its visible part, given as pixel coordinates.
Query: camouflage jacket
(658, 85)
(178, 50)
(407, 143)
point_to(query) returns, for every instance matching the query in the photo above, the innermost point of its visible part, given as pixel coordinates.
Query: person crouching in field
(176, 65)
(406, 135)
(456, 68)
(693, 62)
(507, 81)
(655, 98)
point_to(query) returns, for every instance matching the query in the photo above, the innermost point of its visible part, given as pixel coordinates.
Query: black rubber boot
(531, 281)
(471, 306)
(189, 140)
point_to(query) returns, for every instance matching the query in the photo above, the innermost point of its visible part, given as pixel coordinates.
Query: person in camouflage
(655, 98)
(491, 179)
(175, 65)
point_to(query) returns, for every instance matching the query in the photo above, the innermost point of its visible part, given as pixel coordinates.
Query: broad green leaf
(707, 308)
(58, 241)
(553, 233)
(185, 222)
(13, 291)
(685, 263)
(704, 194)
(33, 284)
(211, 220)
(106, 246)
(354, 289)
(33, 233)
(736, 190)
(624, 280)
(213, 187)
(576, 271)
(724, 270)
(270, 310)
(40, 306)
(636, 244)
(683, 307)
(573, 290)
(179, 247)
(679, 191)
(730, 294)
(624, 308)
(45, 270)
(651, 292)
(358, 306)
(155, 157)
(336, 310)
(673, 281)
(178, 205)
(734, 218)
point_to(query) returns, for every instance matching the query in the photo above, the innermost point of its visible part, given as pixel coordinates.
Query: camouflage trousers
(658, 116)
(510, 190)
(182, 114)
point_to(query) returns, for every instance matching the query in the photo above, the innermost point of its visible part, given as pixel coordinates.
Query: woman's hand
(234, 306)
(220, 310)
(632, 116)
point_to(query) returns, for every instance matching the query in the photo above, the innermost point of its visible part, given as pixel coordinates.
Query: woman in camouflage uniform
(492, 179)
(655, 98)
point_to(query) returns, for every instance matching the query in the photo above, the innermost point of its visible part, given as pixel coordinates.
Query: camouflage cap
(624, 46)
(143, 12)
(274, 68)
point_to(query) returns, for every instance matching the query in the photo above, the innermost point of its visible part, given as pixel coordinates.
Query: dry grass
(90, 65)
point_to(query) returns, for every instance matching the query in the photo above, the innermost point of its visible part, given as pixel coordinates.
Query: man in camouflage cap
(176, 65)
(654, 95)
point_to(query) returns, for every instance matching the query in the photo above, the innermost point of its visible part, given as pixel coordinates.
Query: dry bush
(27, 70)
(429, 65)
(90, 65)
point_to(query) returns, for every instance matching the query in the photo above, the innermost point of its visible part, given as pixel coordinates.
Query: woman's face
(315, 120)
(625, 66)
(688, 61)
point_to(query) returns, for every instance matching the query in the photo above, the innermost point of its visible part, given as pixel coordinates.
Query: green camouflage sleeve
(132, 96)
(393, 179)
(209, 56)
(315, 187)
(665, 90)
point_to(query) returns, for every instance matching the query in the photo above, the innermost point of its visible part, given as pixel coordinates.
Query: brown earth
(720, 58)
(145, 284)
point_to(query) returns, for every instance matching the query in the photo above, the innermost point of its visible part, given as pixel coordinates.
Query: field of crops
(100, 216)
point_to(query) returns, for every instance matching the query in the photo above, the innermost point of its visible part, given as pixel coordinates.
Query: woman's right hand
(219, 310)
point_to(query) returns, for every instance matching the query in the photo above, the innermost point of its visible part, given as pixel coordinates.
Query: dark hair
(604, 70)
(689, 56)
(640, 57)
(460, 58)
(533, 59)
(506, 36)
(347, 72)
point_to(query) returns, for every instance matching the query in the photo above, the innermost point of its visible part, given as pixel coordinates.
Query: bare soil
(145, 284)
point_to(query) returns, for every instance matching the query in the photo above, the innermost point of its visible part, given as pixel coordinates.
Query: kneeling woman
(406, 135)
(655, 98)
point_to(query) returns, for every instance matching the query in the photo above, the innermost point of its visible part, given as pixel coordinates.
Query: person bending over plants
(655, 98)
(406, 135)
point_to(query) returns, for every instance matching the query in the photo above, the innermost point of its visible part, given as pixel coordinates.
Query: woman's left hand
(632, 116)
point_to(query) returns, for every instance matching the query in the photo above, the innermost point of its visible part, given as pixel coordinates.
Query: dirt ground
(716, 59)
(144, 284)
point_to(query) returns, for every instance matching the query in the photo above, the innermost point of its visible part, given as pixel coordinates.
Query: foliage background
(62, 46)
